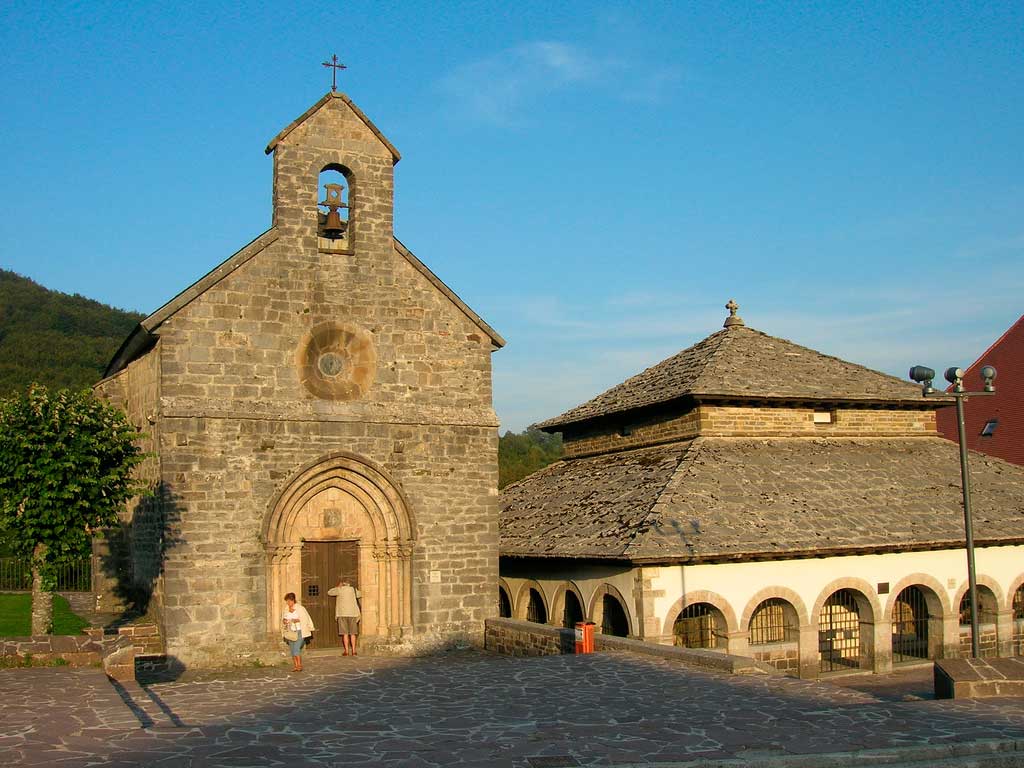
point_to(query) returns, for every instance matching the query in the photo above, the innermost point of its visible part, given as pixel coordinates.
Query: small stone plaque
(332, 518)
(435, 577)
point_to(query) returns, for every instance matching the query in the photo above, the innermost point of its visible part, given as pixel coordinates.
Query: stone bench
(978, 678)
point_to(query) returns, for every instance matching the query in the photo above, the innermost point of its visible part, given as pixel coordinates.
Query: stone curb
(990, 753)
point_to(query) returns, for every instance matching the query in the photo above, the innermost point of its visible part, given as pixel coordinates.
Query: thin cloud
(499, 88)
(502, 87)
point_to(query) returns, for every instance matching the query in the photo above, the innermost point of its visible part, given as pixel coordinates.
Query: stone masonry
(313, 390)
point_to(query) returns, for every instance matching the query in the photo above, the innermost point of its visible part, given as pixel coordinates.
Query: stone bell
(333, 226)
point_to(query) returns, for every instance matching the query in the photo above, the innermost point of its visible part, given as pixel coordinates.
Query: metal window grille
(909, 626)
(535, 609)
(504, 605)
(986, 614)
(1018, 603)
(613, 618)
(571, 611)
(771, 624)
(695, 627)
(839, 633)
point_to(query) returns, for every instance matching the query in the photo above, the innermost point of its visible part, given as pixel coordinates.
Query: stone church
(754, 496)
(317, 406)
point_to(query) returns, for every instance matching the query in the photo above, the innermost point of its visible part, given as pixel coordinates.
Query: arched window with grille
(535, 610)
(504, 604)
(773, 621)
(572, 611)
(987, 628)
(700, 625)
(613, 617)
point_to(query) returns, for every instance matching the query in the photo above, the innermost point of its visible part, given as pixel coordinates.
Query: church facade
(757, 497)
(317, 406)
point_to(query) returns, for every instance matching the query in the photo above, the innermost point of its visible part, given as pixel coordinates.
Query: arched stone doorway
(346, 507)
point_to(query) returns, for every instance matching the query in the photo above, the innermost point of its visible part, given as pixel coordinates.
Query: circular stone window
(337, 361)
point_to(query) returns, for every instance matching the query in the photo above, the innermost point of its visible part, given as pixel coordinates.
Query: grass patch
(16, 616)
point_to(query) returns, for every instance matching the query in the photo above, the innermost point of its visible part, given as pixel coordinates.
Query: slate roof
(741, 362)
(715, 499)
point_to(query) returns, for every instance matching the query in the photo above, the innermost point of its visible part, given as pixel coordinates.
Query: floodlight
(988, 375)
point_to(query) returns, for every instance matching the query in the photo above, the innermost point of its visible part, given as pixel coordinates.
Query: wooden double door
(323, 564)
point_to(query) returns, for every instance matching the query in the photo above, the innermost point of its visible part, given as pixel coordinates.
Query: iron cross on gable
(335, 66)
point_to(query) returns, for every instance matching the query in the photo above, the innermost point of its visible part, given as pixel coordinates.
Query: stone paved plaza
(473, 709)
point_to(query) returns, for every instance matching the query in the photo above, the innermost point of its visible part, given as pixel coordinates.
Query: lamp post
(955, 376)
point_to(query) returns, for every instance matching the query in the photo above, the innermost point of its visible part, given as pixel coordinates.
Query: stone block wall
(132, 556)
(512, 637)
(747, 421)
(708, 419)
(651, 431)
(988, 645)
(114, 654)
(784, 657)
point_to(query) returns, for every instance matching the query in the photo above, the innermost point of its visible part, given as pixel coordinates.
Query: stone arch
(864, 591)
(936, 600)
(701, 596)
(982, 581)
(845, 646)
(934, 592)
(767, 593)
(1016, 584)
(558, 602)
(522, 602)
(353, 170)
(596, 611)
(368, 508)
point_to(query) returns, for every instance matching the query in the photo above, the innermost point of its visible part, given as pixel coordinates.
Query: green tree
(66, 461)
(523, 454)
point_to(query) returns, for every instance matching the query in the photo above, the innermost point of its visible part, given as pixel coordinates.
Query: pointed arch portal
(345, 500)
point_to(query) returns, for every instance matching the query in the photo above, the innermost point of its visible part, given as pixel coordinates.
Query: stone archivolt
(369, 509)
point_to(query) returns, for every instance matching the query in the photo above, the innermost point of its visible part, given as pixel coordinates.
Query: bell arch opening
(342, 502)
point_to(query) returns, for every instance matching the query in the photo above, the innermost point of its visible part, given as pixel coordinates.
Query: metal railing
(16, 575)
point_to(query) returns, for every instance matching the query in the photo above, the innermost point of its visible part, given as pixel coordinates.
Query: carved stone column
(380, 556)
(405, 550)
(278, 557)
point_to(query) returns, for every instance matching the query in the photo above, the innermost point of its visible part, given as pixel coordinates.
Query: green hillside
(53, 338)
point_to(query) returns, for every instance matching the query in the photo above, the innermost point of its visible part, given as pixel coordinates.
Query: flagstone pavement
(474, 709)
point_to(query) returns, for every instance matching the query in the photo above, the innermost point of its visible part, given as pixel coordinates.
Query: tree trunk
(42, 601)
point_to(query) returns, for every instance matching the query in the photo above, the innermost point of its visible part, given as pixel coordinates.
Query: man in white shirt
(346, 611)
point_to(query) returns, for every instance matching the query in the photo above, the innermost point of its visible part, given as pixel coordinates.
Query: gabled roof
(141, 338)
(319, 105)
(715, 499)
(741, 362)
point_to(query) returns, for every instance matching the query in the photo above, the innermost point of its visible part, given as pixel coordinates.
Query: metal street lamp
(955, 376)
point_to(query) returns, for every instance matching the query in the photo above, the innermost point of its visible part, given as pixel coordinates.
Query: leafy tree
(66, 461)
(523, 454)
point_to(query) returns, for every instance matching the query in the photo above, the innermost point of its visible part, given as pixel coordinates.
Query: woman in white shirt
(296, 623)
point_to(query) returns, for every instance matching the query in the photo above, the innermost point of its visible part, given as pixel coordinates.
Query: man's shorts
(348, 625)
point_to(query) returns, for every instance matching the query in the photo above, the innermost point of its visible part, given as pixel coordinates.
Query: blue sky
(595, 179)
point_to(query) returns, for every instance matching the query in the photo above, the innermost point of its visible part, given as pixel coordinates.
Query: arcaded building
(755, 496)
(318, 405)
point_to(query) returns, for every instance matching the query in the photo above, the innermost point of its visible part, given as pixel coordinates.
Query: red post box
(585, 636)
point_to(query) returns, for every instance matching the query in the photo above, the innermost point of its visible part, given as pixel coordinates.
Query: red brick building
(995, 424)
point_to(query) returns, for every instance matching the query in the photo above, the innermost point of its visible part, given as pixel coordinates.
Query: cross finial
(335, 66)
(733, 318)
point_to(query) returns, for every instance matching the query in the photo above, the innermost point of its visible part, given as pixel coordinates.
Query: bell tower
(334, 136)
